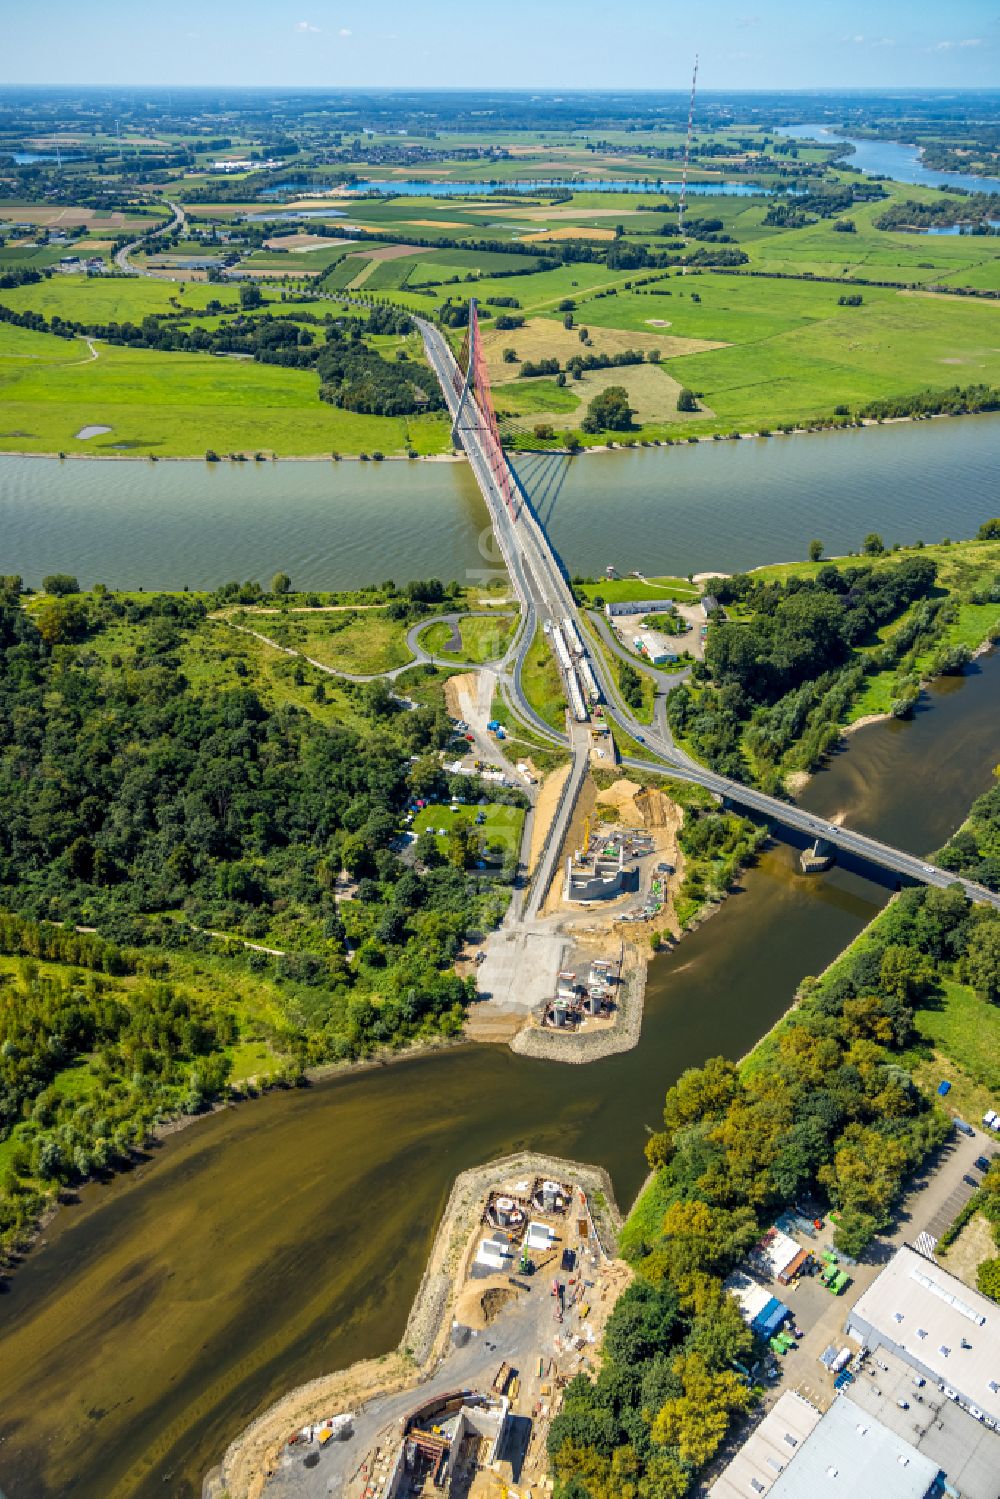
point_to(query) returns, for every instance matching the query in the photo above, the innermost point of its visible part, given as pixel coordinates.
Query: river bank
(161, 525)
(254, 457)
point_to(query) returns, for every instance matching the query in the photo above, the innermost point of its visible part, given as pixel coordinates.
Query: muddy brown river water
(286, 1237)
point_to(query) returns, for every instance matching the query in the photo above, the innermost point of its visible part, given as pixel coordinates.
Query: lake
(435, 188)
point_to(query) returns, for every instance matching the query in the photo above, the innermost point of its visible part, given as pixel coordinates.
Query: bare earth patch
(569, 231)
(394, 252)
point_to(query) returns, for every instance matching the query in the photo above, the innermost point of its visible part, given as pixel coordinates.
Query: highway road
(123, 256)
(545, 594)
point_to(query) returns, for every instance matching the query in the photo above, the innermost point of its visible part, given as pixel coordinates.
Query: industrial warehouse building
(796, 1454)
(942, 1329)
(639, 606)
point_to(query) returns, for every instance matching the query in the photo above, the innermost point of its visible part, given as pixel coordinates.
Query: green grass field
(501, 825)
(105, 299)
(363, 642)
(791, 353)
(543, 684)
(483, 639)
(966, 1029)
(794, 354)
(179, 405)
(616, 590)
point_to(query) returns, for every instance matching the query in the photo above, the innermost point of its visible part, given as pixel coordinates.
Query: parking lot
(936, 1196)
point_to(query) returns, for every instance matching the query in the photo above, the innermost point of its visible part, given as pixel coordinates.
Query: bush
(609, 411)
(60, 584)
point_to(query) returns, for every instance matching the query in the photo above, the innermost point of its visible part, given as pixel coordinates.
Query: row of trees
(954, 400)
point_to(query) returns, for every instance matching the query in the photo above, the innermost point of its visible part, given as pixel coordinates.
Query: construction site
(569, 984)
(532, 1281)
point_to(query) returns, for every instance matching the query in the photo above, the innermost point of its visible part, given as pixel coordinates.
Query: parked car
(965, 1129)
(982, 1163)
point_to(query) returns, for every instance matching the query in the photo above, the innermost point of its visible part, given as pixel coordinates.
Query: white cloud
(306, 26)
(969, 41)
(345, 31)
(869, 41)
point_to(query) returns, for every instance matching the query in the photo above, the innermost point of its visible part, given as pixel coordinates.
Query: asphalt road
(122, 256)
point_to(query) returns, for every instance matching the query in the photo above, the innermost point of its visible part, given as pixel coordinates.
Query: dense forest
(359, 379)
(785, 660)
(825, 1111)
(159, 787)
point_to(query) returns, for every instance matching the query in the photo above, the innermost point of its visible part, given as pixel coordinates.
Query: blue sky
(510, 43)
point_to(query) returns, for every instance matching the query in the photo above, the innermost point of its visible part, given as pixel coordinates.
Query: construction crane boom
(682, 204)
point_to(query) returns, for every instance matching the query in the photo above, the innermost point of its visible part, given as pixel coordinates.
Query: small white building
(494, 1253)
(653, 646)
(539, 1236)
(775, 1253)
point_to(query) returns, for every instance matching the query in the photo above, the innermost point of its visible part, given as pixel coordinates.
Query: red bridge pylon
(476, 413)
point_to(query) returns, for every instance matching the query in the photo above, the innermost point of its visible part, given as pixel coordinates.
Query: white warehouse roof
(850, 1453)
(768, 1451)
(937, 1322)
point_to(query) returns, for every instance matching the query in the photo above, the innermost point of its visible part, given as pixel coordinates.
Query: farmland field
(754, 323)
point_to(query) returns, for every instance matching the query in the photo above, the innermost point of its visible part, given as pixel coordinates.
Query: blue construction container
(770, 1318)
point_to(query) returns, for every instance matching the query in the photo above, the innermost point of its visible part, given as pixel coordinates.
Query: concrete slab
(520, 968)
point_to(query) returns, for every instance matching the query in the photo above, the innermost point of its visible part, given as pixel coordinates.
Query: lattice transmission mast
(682, 204)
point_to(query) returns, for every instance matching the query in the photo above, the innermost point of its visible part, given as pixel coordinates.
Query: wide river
(897, 159)
(724, 505)
(272, 1242)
